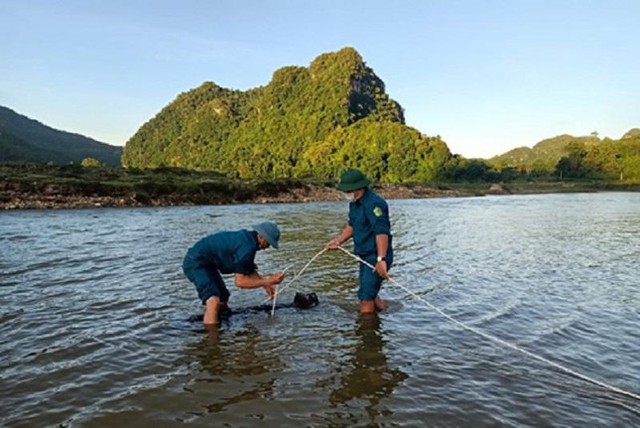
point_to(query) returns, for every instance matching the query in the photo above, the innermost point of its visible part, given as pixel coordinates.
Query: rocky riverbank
(59, 187)
(60, 198)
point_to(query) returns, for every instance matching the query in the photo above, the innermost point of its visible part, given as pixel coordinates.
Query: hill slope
(26, 140)
(544, 155)
(578, 157)
(307, 122)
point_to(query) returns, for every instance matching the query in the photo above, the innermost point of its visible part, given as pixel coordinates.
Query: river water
(94, 313)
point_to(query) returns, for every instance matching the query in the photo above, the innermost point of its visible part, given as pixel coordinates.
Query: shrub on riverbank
(73, 186)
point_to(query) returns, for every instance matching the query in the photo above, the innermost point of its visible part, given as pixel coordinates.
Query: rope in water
(498, 340)
(456, 322)
(295, 277)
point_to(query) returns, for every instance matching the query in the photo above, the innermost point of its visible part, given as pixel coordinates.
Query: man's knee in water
(367, 307)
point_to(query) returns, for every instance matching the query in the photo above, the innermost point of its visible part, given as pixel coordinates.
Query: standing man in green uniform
(370, 228)
(229, 252)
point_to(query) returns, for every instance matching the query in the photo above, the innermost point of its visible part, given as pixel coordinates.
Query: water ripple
(95, 311)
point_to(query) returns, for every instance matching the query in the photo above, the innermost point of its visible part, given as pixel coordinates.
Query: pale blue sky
(487, 76)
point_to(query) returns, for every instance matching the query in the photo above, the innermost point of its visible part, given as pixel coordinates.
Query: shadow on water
(367, 377)
(234, 368)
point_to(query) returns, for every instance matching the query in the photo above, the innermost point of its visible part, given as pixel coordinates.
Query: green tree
(90, 163)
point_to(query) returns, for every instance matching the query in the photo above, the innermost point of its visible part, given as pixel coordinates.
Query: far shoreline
(59, 198)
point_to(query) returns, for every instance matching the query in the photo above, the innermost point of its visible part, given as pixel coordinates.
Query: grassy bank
(44, 186)
(72, 186)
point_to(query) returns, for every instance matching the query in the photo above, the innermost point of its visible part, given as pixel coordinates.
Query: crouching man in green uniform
(370, 228)
(229, 252)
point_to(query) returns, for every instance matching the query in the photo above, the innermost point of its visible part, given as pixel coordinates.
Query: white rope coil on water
(464, 326)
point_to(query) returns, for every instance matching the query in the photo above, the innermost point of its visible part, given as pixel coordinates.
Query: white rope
(275, 295)
(295, 277)
(496, 339)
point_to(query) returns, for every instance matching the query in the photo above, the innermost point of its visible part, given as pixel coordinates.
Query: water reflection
(234, 367)
(367, 374)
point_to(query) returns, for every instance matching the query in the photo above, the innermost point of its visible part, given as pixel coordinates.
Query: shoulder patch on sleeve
(377, 211)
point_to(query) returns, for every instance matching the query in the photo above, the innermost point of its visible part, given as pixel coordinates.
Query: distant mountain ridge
(585, 156)
(545, 154)
(23, 139)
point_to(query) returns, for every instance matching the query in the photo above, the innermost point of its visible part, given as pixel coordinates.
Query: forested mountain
(578, 157)
(544, 155)
(307, 122)
(27, 140)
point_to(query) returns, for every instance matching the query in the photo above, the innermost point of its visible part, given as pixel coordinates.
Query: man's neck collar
(364, 193)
